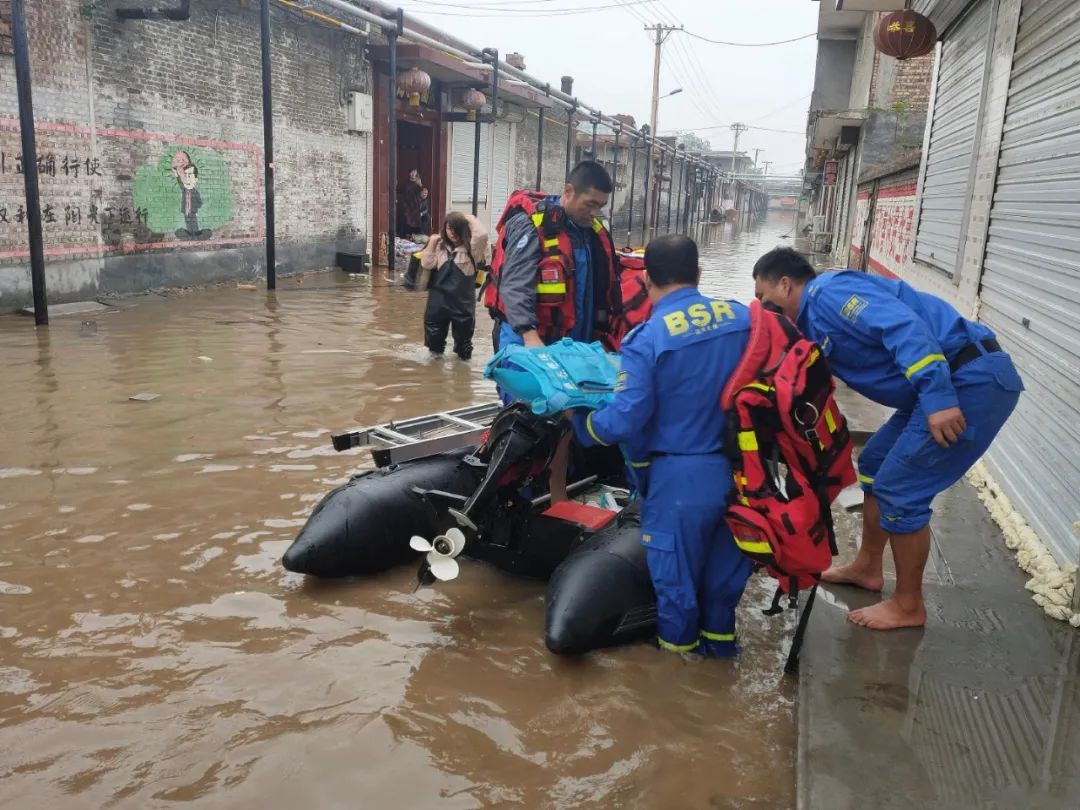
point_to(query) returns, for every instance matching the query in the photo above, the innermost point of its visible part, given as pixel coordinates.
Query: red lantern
(905, 35)
(414, 83)
(474, 100)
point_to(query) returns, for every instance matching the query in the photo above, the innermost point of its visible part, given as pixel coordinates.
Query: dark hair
(589, 174)
(783, 261)
(193, 167)
(456, 224)
(672, 259)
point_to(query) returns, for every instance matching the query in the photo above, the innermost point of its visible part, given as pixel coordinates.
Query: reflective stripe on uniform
(917, 367)
(589, 427)
(551, 288)
(636, 464)
(759, 387)
(747, 441)
(538, 218)
(548, 243)
(717, 636)
(865, 479)
(667, 645)
(597, 225)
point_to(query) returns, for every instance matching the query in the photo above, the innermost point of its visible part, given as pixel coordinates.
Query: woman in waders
(452, 257)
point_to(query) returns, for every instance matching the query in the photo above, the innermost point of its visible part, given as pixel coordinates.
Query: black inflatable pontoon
(599, 591)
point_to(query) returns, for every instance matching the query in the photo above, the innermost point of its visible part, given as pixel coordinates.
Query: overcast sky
(610, 57)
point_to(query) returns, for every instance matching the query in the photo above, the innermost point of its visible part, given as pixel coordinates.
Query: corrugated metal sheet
(942, 13)
(461, 157)
(946, 185)
(1031, 276)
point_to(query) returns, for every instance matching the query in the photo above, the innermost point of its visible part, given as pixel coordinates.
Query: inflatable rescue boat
(481, 493)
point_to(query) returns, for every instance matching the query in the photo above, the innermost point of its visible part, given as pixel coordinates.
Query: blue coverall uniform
(674, 368)
(896, 345)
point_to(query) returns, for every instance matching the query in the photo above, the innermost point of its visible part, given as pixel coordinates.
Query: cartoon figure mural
(186, 193)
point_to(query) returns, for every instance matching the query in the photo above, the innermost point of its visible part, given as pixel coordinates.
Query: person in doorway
(425, 211)
(951, 384)
(452, 257)
(554, 275)
(408, 205)
(674, 369)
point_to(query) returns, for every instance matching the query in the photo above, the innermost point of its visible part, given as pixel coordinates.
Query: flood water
(153, 651)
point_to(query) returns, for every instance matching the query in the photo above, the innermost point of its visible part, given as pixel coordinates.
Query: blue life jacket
(555, 378)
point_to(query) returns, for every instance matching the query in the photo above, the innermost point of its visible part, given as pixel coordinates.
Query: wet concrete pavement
(153, 651)
(980, 709)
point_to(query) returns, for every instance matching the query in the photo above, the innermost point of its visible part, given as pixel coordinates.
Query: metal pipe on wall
(391, 145)
(476, 162)
(648, 202)
(671, 190)
(614, 178)
(682, 186)
(268, 144)
(633, 179)
(540, 147)
(655, 204)
(570, 124)
(21, 46)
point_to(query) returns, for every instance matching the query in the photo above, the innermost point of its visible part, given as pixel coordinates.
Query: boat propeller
(440, 554)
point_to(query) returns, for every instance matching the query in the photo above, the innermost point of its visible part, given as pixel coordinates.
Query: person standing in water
(452, 257)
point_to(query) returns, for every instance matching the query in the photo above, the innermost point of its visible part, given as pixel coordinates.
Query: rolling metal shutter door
(947, 181)
(463, 138)
(942, 13)
(500, 180)
(1031, 277)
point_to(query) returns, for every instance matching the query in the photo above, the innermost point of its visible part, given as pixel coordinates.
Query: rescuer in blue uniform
(952, 387)
(674, 368)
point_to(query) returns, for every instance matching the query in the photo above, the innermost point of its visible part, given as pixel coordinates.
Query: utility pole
(756, 153)
(738, 129)
(662, 33)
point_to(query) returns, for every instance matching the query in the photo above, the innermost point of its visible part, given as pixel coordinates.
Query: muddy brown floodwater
(153, 651)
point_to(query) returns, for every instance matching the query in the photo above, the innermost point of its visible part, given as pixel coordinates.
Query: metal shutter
(500, 180)
(942, 13)
(463, 138)
(1031, 273)
(946, 185)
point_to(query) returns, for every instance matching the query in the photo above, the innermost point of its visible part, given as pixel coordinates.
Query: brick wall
(912, 82)
(128, 112)
(5, 27)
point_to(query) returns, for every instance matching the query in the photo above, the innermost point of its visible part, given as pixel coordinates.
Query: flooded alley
(153, 649)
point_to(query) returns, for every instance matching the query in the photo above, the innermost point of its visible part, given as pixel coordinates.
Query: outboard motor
(519, 446)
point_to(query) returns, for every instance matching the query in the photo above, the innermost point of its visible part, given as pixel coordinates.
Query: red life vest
(555, 274)
(636, 306)
(782, 411)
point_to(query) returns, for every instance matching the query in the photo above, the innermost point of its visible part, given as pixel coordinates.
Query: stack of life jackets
(555, 275)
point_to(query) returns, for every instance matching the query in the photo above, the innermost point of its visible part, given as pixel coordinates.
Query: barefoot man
(952, 387)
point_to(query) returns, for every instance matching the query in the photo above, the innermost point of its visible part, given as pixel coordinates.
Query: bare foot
(854, 574)
(888, 615)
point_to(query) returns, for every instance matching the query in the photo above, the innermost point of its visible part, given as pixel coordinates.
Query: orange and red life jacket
(790, 452)
(555, 273)
(782, 410)
(636, 306)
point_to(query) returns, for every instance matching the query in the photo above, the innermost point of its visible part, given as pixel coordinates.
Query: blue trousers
(904, 468)
(698, 572)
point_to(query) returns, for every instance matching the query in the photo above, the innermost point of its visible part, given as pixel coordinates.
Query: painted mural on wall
(893, 230)
(186, 193)
(124, 191)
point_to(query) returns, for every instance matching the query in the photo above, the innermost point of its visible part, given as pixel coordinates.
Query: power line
(517, 13)
(749, 44)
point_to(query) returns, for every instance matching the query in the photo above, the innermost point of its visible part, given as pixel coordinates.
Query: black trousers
(451, 307)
